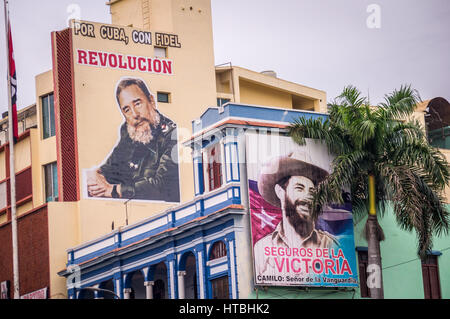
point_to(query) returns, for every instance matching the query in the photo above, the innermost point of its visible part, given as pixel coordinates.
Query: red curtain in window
(214, 168)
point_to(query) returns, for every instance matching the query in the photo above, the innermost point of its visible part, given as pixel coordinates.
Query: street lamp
(100, 289)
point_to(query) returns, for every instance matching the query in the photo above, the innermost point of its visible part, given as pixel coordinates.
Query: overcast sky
(324, 44)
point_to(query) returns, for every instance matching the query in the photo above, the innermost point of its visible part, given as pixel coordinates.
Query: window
(363, 261)
(51, 182)
(220, 288)
(160, 52)
(3, 195)
(430, 274)
(48, 116)
(214, 167)
(4, 289)
(163, 97)
(221, 102)
(218, 250)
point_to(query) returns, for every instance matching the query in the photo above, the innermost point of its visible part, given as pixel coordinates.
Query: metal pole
(100, 289)
(126, 211)
(11, 167)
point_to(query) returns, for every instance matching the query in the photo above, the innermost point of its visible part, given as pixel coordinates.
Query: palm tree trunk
(375, 279)
(374, 234)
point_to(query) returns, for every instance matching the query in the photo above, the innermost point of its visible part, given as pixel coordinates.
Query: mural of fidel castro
(142, 164)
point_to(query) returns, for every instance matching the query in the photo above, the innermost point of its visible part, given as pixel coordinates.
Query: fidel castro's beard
(302, 222)
(142, 131)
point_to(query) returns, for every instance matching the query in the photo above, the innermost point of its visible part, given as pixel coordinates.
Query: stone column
(149, 289)
(126, 293)
(181, 288)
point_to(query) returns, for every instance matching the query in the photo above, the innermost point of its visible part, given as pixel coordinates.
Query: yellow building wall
(3, 218)
(22, 155)
(252, 93)
(24, 208)
(249, 87)
(44, 151)
(153, 19)
(36, 168)
(2, 165)
(127, 12)
(44, 86)
(446, 193)
(63, 228)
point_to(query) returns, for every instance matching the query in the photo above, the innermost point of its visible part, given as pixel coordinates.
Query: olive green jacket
(146, 171)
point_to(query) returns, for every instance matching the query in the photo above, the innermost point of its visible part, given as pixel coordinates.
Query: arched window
(160, 287)
(218, 250)
(137, 285)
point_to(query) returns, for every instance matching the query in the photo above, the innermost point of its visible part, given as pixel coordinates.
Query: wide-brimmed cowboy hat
(294, 164)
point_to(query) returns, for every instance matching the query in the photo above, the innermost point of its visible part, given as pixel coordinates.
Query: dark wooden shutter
(217, 175)
(363, 261)
(220, 288)
(430, 274)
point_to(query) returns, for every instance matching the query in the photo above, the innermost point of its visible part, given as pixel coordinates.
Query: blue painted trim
(181, 266)
(124, 276)
(434, 253)
(212, 115)
(94, 254)
(230, 164)
(117, 235)
(129, 273)
(233, 238)
(228, 168)
(199, 178)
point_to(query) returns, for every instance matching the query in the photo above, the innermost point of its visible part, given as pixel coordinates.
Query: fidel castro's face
(135, 107)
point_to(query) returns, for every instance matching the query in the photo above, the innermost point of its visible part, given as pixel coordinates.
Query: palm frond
(400, 103)
(420, 154)
(416, 205)
(399, 132)
(350, 96)
(318, 129)
(330, 190)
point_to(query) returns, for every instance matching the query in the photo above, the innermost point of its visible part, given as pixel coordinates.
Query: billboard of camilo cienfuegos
(289, 247)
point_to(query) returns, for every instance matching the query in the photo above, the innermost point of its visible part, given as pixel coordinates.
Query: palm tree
(381, 158)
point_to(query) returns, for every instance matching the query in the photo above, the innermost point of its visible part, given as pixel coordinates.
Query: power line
(405, 262)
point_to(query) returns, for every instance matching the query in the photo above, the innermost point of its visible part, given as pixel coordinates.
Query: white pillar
(181, 289)
(149, 289)
(127, 293)
(96, 292)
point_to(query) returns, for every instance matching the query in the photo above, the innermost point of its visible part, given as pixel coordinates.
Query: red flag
(13, 84)
(264, 216)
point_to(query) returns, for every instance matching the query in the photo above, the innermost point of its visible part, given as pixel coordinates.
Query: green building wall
(440, 138)
(402, 271)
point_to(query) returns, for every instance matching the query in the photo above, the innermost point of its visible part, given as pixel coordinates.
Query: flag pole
(12, 174)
